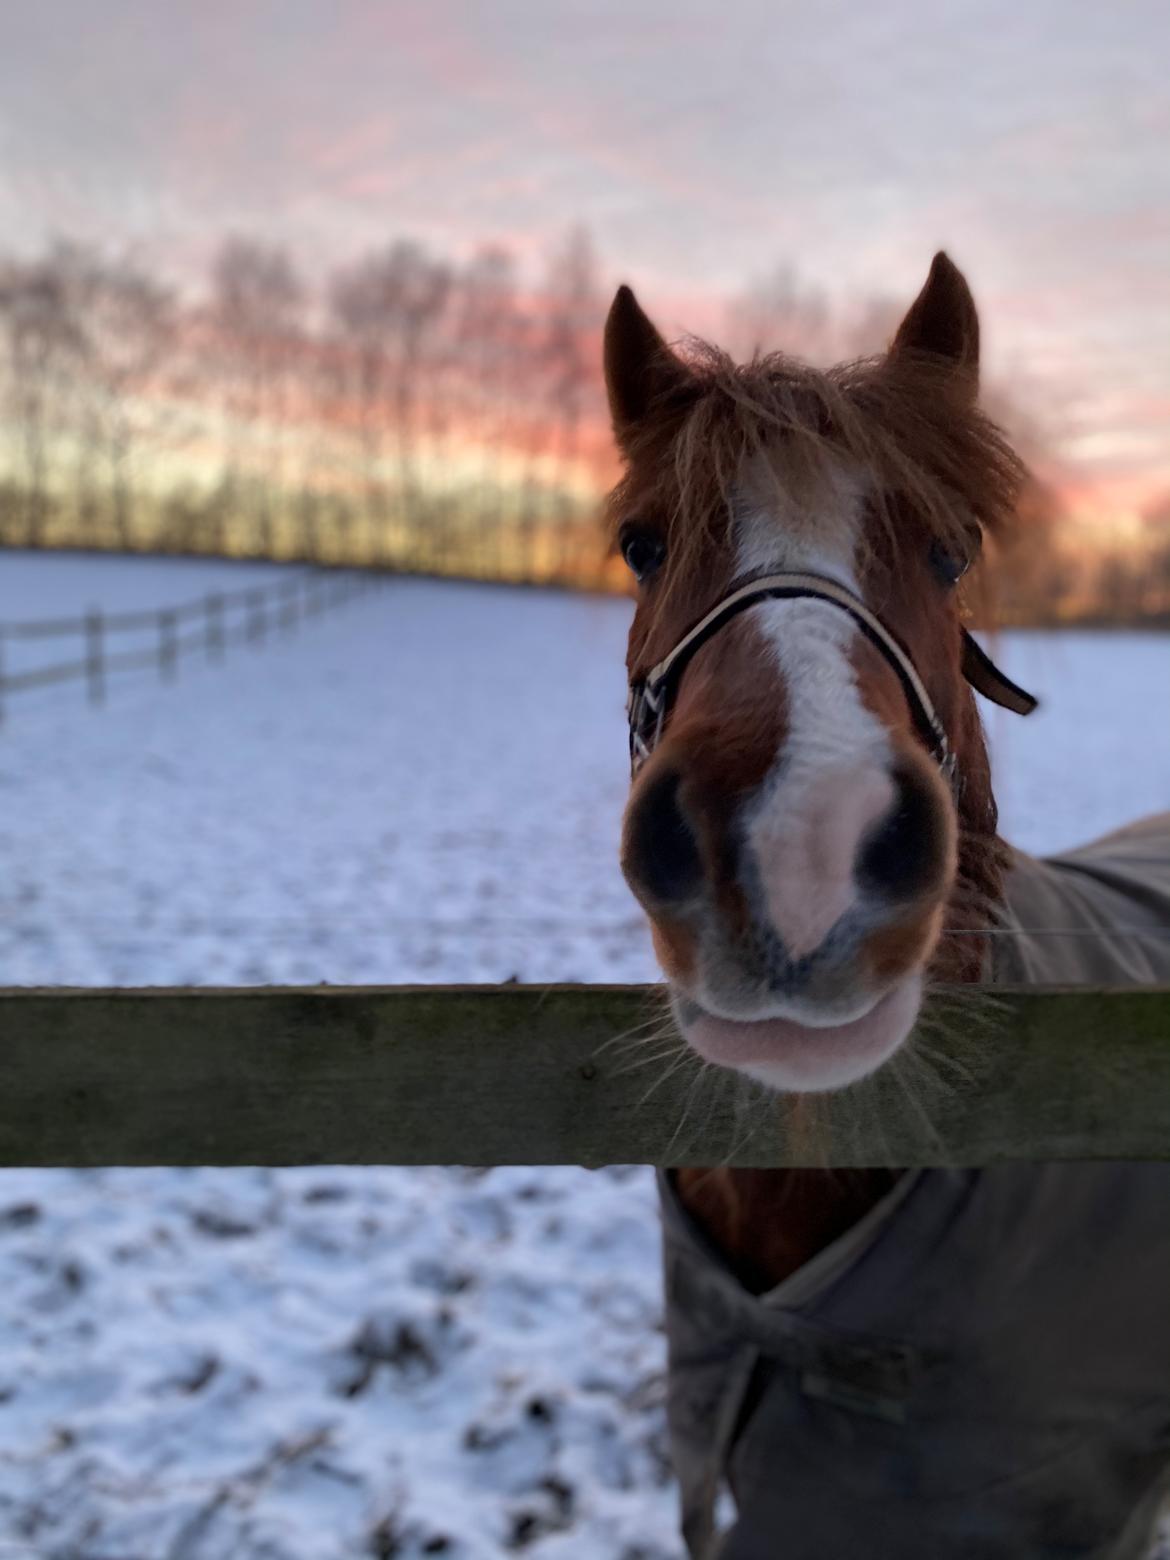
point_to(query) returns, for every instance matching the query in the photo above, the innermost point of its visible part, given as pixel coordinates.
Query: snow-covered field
(333, 1363)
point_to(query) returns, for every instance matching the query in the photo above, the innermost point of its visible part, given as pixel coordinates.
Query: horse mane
(907, 420)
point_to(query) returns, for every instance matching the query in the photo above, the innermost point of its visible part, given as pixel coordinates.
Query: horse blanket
(980, 1368)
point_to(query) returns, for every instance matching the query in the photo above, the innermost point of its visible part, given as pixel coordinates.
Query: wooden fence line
(293, 600)
(554, 1075)
(95, 668)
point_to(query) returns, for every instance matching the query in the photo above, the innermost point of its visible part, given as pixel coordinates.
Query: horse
(924, 1365)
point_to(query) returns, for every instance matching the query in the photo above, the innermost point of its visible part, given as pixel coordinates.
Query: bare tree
(530, 372)
(385, 307)
(364, 326)
(45, 348)
(573, 323)
(255, 317)
(129, 321)
(487, 330)
(323, 507)
(1156, 524)
(780, 313)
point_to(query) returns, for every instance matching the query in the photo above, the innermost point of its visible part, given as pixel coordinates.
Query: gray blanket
(980, 1369)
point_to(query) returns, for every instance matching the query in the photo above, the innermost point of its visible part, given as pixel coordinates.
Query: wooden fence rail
(554, 1075)
(224, 618)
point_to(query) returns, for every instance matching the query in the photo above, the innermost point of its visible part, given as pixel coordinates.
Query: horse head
(810, 827)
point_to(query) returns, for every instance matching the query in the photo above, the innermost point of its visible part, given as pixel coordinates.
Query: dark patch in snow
(325, 1194)
(221, 1225)
(412, 1350)
(18, 1216)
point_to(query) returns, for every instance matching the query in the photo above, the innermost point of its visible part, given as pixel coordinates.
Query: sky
(701, 144)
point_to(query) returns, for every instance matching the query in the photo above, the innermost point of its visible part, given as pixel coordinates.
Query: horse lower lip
(823, 1057)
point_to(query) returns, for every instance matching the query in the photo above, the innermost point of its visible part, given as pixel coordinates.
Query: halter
(651, 696)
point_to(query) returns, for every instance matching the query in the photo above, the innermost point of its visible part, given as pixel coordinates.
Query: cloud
(701, 146)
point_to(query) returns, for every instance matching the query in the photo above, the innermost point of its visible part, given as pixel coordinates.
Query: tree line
(410, 412)
(407, 410)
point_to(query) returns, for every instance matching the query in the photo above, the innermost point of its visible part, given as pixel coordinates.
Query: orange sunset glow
(768, 178)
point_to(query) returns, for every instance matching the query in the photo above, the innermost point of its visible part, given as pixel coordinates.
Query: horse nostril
(661, 856)
(903, 854)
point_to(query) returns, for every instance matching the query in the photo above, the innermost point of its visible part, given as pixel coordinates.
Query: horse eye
(948, 567)
(642, 550)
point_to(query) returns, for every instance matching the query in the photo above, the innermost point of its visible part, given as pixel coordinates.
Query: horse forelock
(903, 423)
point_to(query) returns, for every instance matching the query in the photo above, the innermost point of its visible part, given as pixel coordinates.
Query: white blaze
(830, 779)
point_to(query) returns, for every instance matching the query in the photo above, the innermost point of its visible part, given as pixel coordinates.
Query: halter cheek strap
(651, 696)
(986, 678)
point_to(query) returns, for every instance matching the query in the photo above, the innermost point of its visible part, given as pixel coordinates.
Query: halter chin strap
(651, 696)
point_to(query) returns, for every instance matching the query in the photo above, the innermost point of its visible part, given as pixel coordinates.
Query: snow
(328, 1363)
(290, 1363)
(1097, 752)
(422, 785)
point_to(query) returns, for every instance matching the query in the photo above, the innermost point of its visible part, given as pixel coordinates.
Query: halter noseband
(652, 695)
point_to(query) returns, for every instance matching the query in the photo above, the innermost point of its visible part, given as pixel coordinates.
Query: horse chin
(802, 1058)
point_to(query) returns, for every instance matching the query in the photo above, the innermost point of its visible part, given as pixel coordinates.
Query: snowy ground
(334, 1363)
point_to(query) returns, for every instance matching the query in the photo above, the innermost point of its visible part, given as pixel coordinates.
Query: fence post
(213, 626)
(168, 644)
(95, 669)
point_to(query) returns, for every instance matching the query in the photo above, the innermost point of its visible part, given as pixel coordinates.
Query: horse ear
(942, 322)
(640, 369)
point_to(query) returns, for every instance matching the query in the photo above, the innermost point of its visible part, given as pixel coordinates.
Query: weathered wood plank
(523, 1074)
